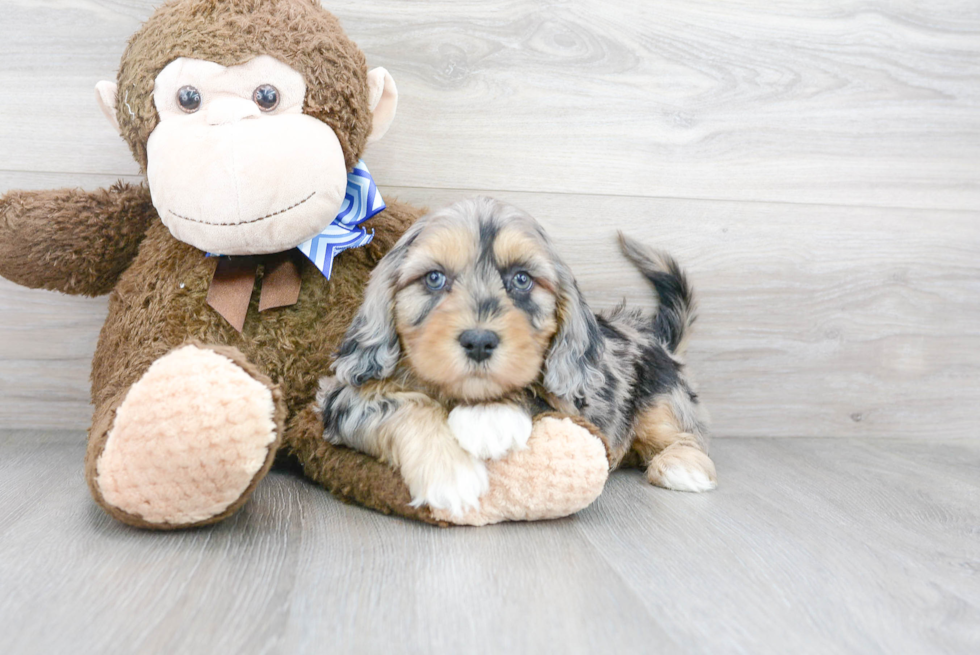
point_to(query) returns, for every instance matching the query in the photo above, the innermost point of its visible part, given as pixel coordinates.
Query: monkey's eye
(266, 97)
(434, 280)
(189, 99)
(521, 281)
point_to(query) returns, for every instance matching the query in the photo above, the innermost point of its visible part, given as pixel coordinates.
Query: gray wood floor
(808, 546)
(814, 165)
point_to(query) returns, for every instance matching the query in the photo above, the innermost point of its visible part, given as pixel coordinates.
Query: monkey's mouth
(237, 223)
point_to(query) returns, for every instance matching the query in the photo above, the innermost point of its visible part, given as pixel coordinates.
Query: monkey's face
(234, 165)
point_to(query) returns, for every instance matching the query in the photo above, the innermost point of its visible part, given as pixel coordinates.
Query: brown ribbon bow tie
(234, 279)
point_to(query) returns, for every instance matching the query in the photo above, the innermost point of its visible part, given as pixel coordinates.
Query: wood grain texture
(815, 320)
(808, 546)
(832, 102)
(764, 144)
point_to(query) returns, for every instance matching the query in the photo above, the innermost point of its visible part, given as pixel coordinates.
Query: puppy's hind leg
(672, 449)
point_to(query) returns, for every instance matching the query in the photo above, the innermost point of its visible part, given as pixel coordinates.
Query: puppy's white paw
(683, 468)
(455, 488)
(492, 430)
(682, 478)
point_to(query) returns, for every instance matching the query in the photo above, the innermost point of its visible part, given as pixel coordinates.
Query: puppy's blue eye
(434, 280)
(522, 281)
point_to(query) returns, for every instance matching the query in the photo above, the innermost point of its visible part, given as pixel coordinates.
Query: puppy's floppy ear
(571, 369)
(370, 349)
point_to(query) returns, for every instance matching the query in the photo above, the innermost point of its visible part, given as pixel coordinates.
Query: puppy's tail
(677, 310)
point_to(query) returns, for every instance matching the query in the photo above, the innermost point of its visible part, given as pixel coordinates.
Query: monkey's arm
(70, 240)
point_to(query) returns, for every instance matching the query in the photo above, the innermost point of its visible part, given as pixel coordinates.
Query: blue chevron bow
(361, 202)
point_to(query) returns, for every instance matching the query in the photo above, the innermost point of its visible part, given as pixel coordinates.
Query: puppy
(472, 324)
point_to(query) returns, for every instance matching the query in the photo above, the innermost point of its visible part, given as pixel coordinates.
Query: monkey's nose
(479, 344)
(222, 111)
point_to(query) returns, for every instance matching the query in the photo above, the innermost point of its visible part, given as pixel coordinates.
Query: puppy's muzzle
(479, 344)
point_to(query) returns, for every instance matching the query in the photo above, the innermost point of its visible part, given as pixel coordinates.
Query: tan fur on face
(432, 348)
(450, 248)
(514, 246)
(525, 348)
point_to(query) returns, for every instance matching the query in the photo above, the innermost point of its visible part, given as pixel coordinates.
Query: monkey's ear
(382, 98)
(105, 95)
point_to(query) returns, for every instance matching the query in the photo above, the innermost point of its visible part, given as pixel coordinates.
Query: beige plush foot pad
(563, 470)
(188, 440)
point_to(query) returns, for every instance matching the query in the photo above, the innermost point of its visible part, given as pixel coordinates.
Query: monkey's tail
(677, 311)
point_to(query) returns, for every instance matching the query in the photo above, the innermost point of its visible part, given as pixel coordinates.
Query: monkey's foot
(562, 470)
(189, 442)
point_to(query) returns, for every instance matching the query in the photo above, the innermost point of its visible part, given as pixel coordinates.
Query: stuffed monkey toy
(249, 118)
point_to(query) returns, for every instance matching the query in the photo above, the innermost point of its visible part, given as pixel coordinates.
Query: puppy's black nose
(479, 344)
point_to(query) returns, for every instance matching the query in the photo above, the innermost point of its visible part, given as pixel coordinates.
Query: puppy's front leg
(408, 430)
(438, 472)
(490, 430)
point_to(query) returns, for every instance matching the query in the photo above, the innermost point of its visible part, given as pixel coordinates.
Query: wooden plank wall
(816, 166)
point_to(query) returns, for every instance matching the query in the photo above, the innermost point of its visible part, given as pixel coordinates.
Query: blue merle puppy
(472, 324)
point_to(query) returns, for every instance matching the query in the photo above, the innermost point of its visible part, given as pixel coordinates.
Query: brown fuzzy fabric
(160, 303)
(297, 32)
(70, 240)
